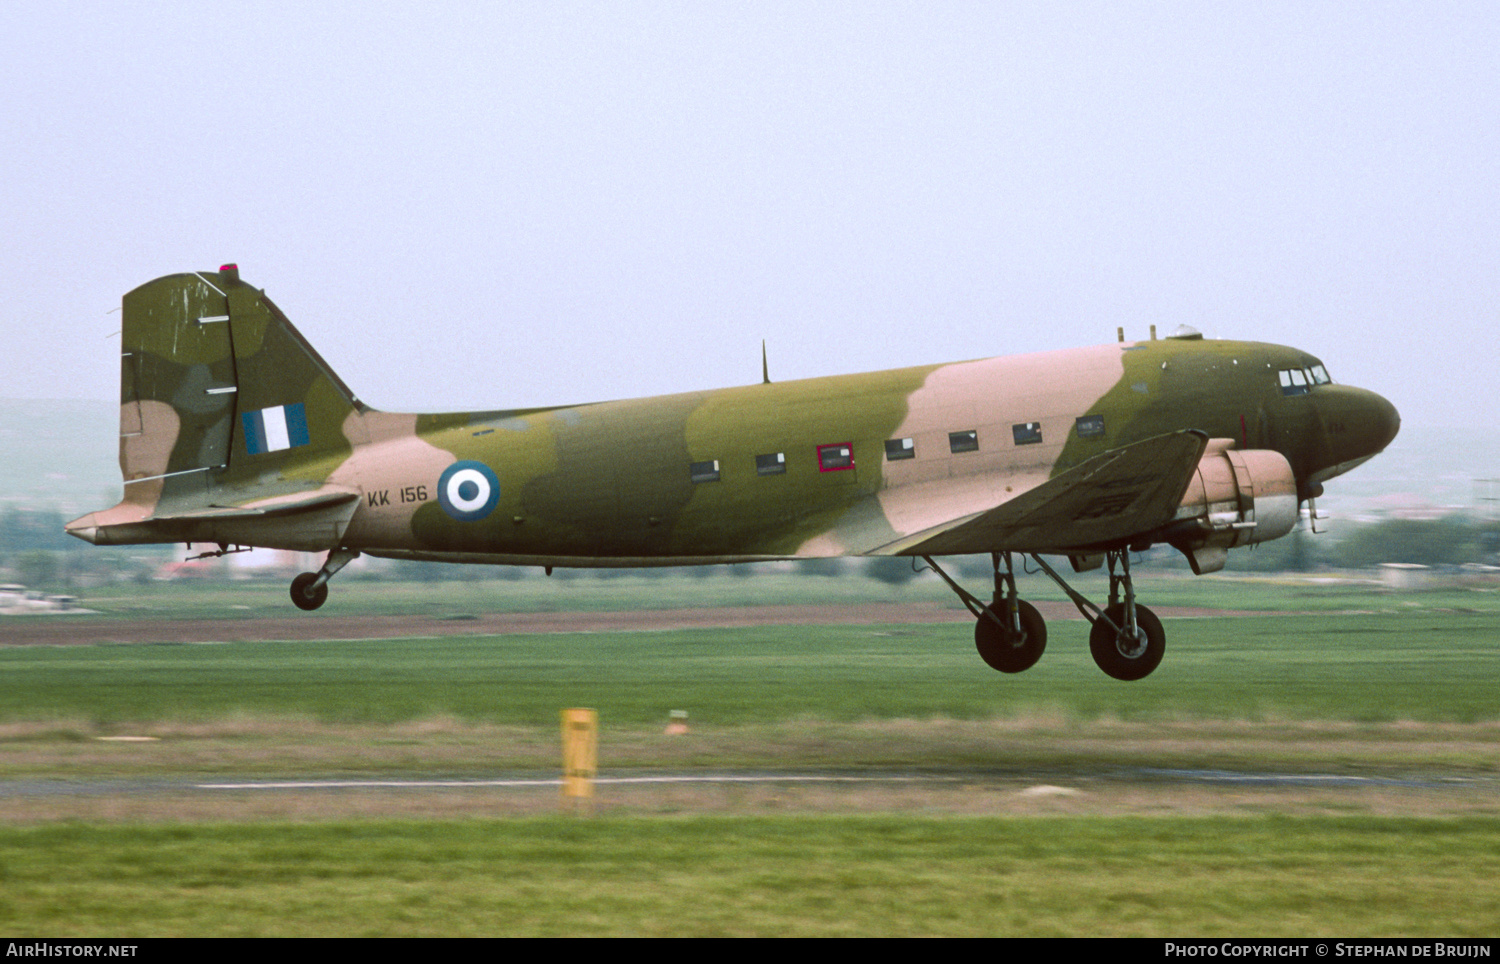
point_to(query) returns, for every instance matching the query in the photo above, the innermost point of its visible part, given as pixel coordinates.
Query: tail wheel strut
(310, 589)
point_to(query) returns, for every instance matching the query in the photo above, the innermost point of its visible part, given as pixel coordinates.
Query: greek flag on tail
(274, 429)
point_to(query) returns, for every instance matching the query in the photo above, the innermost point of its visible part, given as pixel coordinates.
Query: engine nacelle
(1236, 498)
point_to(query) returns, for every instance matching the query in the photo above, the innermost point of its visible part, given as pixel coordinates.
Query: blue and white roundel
(468, 491)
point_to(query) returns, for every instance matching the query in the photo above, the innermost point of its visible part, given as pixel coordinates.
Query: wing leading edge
(1112, 497)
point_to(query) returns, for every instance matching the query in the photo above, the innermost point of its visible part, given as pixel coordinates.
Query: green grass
(566, 591)
(1369, 668)
(739, 586)
(767, 876)
(1330, 692)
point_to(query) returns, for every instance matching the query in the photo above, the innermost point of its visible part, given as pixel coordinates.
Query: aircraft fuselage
(234, 432)
(756, 471)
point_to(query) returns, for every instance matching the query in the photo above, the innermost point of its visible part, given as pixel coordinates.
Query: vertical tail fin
(221, 402)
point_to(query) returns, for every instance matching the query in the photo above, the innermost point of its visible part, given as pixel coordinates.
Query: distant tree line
(23, 530)
(1454, 540)
(38, 554)
(1450, 541)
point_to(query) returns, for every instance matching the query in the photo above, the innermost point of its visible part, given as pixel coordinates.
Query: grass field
(1416, 665)
(765, 876)
(748, 586)
(1396, 690)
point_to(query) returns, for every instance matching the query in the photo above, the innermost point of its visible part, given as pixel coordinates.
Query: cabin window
(897, 449)
(1319, 375)
(963, 441)
(836, 457)
(1027, 433)
(1293, 381)
(1090, 426)
(772, 464)
(704, 471)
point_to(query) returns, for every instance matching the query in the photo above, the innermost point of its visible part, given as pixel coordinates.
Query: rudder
(221, 402)
(216, 382)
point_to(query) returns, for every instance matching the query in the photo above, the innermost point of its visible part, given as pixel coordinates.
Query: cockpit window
(1300, 381)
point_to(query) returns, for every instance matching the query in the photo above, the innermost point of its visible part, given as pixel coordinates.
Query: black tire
(1128, 659)
(304, 596)
(997, 645)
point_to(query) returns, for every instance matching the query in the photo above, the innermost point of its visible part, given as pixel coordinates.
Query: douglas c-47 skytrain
(233, 432)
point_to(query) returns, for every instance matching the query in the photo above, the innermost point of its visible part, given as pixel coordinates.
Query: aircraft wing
(1122, 493)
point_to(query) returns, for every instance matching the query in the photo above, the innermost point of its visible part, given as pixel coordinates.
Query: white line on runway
(417, 784)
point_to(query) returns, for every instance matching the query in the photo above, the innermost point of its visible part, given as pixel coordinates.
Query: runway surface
(1118, 775)
(91, 630)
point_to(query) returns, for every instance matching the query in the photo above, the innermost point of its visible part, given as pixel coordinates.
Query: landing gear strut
(1123, 653)
(1008, 632)
(310, 590)
(1126, 640)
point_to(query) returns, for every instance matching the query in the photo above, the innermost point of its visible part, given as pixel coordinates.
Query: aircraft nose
(1384, 421)
(1369, 421)
(1357, 424)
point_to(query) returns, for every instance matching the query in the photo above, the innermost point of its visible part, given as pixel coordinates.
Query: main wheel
(306, 597)
(1001, 648)
(1123, 656)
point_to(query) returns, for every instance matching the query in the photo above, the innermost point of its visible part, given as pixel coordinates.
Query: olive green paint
(1173, 384)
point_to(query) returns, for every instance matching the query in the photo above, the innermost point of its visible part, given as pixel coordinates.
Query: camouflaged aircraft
(235, 433)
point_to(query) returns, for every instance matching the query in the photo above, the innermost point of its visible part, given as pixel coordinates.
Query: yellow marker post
(580, 736)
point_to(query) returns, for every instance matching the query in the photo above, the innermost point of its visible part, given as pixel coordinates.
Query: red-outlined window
(836, 457)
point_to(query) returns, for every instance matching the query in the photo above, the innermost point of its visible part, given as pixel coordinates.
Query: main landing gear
(1126, 640)
(310, 590)
(1009, 633)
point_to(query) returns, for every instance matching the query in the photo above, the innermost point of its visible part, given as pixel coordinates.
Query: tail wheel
(1001, 647)
(1123, 655)
(304, 596)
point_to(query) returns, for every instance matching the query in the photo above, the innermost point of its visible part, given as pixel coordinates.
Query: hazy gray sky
(468, 205)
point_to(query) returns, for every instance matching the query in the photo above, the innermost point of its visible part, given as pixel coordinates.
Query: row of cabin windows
(838, 456)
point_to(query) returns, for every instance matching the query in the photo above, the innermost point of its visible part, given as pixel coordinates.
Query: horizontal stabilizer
(309, 522)
(271, 509)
